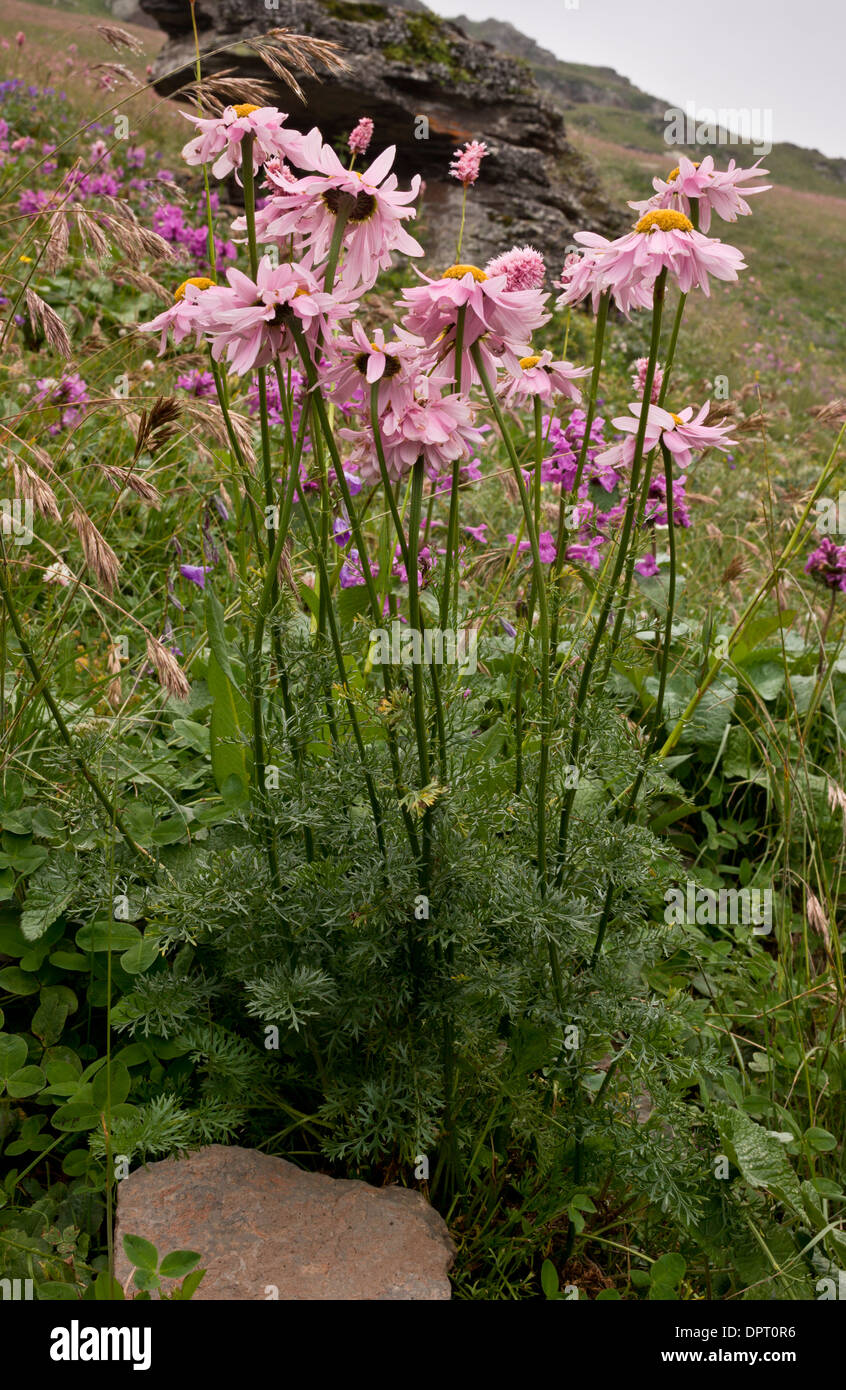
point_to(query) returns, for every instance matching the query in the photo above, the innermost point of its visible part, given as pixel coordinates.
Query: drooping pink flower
(184, 315)
(683, 434)
(466, 162)
(374, 207)
(361, 136)
(582, 275)
(438, 427)
(221, 137)
(522, 266)
(501, 321)
(249, 321)
(358, 362)
(664, 238)
(711, 189)
(539, 376)
(639, 379)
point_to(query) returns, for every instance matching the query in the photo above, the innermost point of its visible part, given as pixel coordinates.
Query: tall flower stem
(461, 224)
(404, 552)
(248, 179)
(659, 698)
(375, 806)
(451, 556)
(319, 405)
(590, 414)
(622, 552)
(543, 624)
(630, 564)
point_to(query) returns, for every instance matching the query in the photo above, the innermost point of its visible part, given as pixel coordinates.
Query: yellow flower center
(667, 219)
(457, 272)
(528, 362)
(678, 419)
(675, 172)
(201, 281)
(244, 109)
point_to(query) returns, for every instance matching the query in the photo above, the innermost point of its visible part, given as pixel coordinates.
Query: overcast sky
(785, 56)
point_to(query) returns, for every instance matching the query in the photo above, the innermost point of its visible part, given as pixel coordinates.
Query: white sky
(786, 56)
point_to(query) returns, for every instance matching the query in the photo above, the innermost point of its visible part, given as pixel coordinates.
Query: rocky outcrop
(428, 87)
(266, 1230)
(568, 84)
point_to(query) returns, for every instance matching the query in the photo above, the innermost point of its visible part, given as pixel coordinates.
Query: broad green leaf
(140, 956)
(18, 981)
(178, 1263)
(760, 1158)
(120, 1083)
(103, 935)
(25, 1082)
(230, 756)
(49, 893)
(549, 1279)
(57, 1001)
(141, 1253)
(189, 1286)
(12, 1054)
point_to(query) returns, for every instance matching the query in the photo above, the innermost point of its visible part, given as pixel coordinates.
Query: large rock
(404, 66)
(266, 1229)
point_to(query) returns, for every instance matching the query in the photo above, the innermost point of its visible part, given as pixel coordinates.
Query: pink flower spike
(522, 266)
(639, 379)
(361, 136)
(466, 162)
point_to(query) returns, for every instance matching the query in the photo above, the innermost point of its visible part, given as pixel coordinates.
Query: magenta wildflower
(522, 266)
(361, 136)
(466, 162)
(827, 564)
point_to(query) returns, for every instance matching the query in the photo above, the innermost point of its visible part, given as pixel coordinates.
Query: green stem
(622, 551)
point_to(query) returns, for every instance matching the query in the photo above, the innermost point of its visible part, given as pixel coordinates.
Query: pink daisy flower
(522, 266)
(683, 434)
(358, 362)
(376, 211)
(466, 162)
(582, 276)
(665, 239)
(501, 321)
(221, 137)
(440, 428)
(711, 189)
(185, 314)
(249, 321)
(540, 376)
